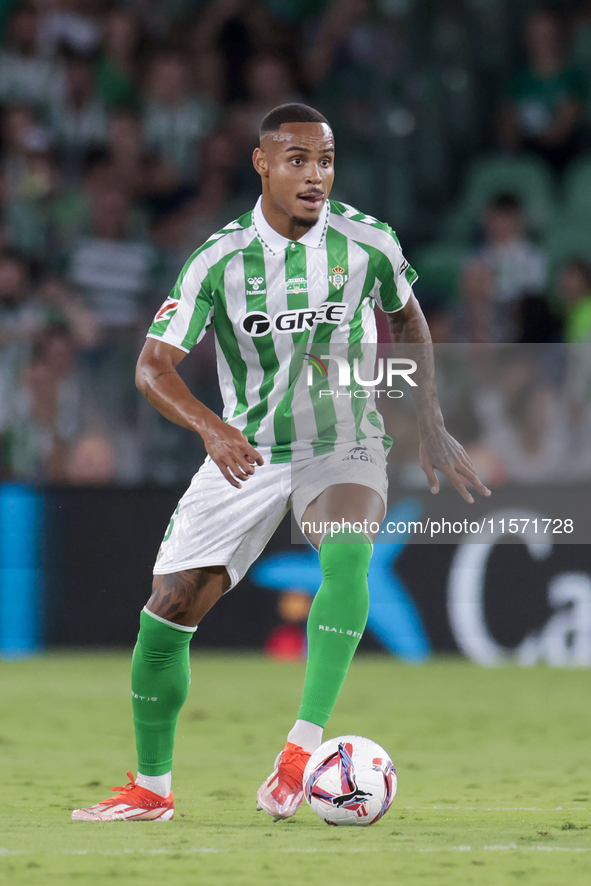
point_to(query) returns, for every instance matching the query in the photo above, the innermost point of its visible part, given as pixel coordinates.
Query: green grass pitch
(494, 774)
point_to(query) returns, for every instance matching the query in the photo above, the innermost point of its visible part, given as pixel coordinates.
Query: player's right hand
(231, 451)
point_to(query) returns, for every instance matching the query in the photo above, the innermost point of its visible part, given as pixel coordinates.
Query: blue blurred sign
(393, 616)
(21, 515)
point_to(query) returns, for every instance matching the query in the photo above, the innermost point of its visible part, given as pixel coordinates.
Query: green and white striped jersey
(274, 302)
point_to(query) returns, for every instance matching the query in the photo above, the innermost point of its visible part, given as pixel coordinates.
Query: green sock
(160, 676)
(336, 622)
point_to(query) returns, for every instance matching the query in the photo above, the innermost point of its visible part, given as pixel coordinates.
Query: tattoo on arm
(409, 324)
(411, 336)
(438, 449)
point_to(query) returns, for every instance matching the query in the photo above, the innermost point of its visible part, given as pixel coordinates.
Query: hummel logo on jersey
(255, 282)
(257, 323)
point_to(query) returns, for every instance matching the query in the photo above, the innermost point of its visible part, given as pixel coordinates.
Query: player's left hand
(438, 449)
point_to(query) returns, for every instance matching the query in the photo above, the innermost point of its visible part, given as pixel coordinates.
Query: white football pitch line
(510, 847)
(499, 808)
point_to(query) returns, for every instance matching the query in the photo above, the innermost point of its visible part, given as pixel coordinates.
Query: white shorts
(216, 524)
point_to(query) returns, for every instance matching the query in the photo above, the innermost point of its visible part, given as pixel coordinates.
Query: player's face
(296, 164)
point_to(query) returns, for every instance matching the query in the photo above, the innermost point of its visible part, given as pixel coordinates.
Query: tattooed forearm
(411, 336)
(409, 324)
(437, 449)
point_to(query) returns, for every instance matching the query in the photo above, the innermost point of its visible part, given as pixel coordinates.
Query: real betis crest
(338, 277)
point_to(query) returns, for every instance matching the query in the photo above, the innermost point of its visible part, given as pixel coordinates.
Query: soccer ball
(350, 780)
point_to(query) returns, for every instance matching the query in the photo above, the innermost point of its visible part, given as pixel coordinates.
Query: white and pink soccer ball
(350, 780)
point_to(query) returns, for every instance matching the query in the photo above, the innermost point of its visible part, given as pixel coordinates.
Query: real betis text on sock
(336, 621)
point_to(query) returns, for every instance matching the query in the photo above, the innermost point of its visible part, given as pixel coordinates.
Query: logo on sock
(339, 631)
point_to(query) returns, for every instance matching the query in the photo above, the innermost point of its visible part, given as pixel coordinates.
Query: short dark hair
(293, 112)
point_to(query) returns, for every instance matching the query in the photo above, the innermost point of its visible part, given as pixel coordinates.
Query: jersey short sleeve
(186, 314)
(394, 276)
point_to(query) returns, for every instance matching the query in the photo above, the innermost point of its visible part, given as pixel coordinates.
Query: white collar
(276, 242)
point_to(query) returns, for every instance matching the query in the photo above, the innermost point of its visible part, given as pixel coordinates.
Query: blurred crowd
(126, 131)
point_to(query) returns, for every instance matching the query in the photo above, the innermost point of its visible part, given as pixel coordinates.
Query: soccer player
(295, 272)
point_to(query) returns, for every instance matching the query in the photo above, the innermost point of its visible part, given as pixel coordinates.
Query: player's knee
(348, 558)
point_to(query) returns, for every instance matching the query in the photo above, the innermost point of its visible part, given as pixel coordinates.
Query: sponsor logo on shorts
(360, 453)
